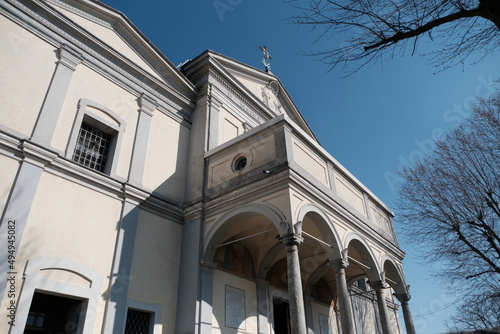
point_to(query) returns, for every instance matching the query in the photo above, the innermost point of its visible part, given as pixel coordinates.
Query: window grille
(137, 322)
(92, 147)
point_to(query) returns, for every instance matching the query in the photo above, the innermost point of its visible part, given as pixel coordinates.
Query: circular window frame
(240, 163)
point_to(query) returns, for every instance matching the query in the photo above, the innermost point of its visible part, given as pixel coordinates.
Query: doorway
(281, 313)
(53, 314)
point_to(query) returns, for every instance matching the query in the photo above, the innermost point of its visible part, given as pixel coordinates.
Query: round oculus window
(240, 163)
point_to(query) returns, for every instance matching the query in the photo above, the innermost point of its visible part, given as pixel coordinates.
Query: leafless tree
(375, 29)
(450, 202)
(477, 312)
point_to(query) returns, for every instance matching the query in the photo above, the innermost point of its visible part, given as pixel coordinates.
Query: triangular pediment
(116, 35)
(262, 92)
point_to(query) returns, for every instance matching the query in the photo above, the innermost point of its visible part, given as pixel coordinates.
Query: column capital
(403, 297)
(291, 239)
(291, 234)
(147, 104)
(338, 264)
(208, 266)
(68, 57)
(379, 285)
(262, 283)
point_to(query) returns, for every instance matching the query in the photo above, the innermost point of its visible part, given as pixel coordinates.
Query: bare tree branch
(399, 35)
(374, 29)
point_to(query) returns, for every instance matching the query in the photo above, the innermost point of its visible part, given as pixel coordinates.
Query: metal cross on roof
(267, 58)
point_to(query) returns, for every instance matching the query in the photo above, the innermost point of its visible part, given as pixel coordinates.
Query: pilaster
(263, 306)
(116, 308)
(206, 300)
(188, 295)
(214, 106)
(147, 106)
(18, 206)
(56, 93)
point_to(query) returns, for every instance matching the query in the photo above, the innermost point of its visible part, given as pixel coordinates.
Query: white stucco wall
(165, 168)
(155, 266)
(229, 126)
(106, 33)
(24, 79)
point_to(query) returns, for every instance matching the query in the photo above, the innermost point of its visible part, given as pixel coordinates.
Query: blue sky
(372, 122)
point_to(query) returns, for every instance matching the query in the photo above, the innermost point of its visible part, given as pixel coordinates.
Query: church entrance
(281, 317)
(53, 314)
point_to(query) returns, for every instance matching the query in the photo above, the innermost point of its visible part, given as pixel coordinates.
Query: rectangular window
(138, 322)
(92, 147)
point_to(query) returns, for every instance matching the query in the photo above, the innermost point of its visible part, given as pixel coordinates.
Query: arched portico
(235, 245)
(255, 252)
(248, 242)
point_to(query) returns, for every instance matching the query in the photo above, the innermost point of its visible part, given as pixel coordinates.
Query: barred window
(92, 147)
(137, 322)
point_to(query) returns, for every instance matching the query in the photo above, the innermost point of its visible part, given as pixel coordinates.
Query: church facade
(137, 197)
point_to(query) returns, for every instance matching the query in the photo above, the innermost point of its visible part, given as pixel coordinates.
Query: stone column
(379, 287)
(344, 301)
(291, 241)
(404, 298)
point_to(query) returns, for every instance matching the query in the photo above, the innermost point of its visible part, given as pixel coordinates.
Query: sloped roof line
(262, 74)
(145, 41)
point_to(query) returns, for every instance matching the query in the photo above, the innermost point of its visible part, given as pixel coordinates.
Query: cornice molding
(53, 163)
(247, 76)
(80, 12)
(35, 154)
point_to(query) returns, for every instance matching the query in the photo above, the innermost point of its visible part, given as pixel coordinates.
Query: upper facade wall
(280, 145)
(90, 73)
(25, 79)
(105, 32)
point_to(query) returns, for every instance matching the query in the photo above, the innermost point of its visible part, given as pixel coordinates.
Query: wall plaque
(235, 308)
